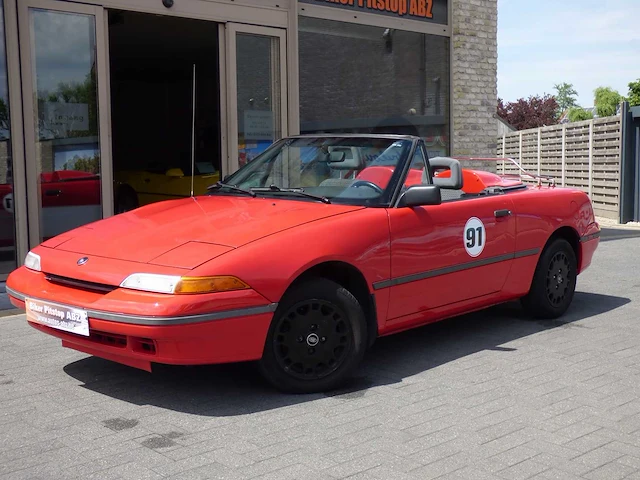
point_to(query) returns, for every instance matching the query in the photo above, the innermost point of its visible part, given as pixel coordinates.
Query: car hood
(188, 232)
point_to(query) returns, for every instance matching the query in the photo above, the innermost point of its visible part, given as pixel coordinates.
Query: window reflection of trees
(70, 93)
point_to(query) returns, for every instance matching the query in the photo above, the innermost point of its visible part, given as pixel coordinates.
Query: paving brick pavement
(491, 395)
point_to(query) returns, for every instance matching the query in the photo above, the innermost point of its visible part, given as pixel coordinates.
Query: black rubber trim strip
(587, 238)
(454, 268)
(526, 253)
(159, 321)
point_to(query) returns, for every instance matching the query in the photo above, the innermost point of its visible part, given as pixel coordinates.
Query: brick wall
(353, 79)
(474, 72)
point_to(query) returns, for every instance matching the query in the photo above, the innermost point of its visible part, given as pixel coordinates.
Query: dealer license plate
(57, 316)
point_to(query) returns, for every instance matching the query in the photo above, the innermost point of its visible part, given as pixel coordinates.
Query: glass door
(62, 49)
(8, 247)
(257, 90)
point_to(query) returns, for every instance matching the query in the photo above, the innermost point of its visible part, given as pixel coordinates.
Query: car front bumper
(231, 330)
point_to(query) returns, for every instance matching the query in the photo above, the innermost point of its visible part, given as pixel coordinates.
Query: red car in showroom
(306, 255)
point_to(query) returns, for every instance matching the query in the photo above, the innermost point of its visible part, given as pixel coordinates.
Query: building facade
(109, 104)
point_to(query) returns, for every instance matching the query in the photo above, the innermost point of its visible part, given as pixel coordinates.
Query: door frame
(32, 169)
(231, 87)
(17, 140)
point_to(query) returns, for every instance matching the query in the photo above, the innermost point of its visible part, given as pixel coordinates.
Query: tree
(529, 113)
(84, 164)
(577, 114)
(634, 93)
(607, 101)
(566, 96)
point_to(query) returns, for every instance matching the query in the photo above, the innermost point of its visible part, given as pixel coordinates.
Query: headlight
(150, 282)
(32, 262)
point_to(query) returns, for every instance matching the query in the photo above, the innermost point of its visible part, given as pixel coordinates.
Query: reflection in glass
(67, 142)
(365, 79)
(7, 219)
(258, 77)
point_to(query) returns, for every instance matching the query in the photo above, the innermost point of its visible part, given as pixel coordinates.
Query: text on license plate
(61, 317)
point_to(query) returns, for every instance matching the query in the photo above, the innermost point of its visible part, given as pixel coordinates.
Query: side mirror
(175, 173)
(420, 195)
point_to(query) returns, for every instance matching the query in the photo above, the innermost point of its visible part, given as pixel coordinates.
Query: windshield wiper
(295, 191)
(233, 188)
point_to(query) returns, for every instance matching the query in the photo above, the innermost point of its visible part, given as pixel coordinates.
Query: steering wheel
(367, 183)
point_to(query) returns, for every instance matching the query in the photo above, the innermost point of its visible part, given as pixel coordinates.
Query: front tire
(316, 339)
(554, 281)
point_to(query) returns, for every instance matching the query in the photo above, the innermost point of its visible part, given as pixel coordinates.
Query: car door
(69, 199)
(448, 253)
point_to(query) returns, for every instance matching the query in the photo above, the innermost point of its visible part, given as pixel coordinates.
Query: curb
(610, 223)
(14, 312)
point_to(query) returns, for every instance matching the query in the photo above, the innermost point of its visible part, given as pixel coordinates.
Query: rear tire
(316, 339)
(127, 200)
(554, 281)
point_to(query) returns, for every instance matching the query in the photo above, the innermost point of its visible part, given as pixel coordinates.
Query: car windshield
(347, 170)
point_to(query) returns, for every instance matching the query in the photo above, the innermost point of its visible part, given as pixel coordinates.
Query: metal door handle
(502, 213)
(53, 193)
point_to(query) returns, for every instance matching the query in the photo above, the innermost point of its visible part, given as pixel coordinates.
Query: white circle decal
(7, 203)
(474, 237)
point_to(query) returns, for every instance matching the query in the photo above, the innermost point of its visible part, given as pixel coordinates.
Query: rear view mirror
(175, 173)
(336, 157)
(420, 195)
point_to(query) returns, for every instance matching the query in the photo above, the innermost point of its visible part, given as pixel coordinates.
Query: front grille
(79, 284)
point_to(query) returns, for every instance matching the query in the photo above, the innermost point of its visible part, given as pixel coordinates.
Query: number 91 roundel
(474, 237)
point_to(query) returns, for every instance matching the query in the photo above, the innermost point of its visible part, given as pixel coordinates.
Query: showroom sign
(66, 117)
(426, 10)
(258, 125)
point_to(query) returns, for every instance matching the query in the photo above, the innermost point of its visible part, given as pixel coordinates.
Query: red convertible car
(306, 255)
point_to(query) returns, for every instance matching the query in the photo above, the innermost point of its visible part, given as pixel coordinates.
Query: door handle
(502, 213)
(53, 193)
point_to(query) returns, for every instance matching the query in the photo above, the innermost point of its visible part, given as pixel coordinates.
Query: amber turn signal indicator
(209, 284)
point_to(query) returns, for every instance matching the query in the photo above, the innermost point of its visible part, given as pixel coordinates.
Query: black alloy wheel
(316, 339)
(312, 340)
(559, 278)
(554, 281)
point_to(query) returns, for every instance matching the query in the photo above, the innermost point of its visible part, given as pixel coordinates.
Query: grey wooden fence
(584, 155)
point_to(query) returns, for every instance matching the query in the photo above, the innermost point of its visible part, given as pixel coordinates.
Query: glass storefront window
(258, 80)
(7, 219)
(66, 124)
(364, 79)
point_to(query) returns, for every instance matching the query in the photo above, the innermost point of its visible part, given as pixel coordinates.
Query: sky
(588, 43)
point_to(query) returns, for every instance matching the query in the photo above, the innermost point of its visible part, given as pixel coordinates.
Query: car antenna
(193, 128)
